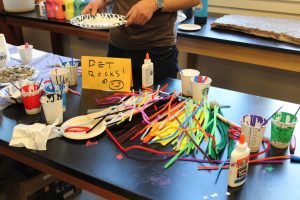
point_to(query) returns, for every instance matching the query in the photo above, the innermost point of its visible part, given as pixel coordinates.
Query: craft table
(140, 175)
(221, 44)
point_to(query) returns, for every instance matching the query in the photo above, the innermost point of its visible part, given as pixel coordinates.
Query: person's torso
(157, 32)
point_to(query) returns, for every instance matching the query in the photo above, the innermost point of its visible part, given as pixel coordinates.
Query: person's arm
(96, 6)
(141, 12)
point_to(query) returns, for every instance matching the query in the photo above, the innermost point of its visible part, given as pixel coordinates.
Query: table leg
(191, 61)
(57, 43)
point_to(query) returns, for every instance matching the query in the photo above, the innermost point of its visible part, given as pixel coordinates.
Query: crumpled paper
(34, 136)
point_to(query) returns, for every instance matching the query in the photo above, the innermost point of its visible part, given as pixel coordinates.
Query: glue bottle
(147, 72)
(239, 161)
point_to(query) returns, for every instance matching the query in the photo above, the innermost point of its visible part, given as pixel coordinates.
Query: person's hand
(93, 7)
(141, 12)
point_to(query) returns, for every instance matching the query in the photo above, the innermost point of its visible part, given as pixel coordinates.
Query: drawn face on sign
(116, 85)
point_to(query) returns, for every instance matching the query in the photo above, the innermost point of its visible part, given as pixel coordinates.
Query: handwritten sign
(103, 73)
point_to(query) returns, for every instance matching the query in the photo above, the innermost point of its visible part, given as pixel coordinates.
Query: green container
(282, 128)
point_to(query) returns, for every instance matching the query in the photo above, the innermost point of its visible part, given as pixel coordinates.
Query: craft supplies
(253, 126)
(50, 8)
(79, 5)
(200, 12)
(200, 88)
(239, 161)
(73, 71)
(59, 9)
(25, 52)
(147, 72)
(52, 89)
(42, 8)
(60, 76)
(53, 108)
(293, 144)
(31, 95)
(69, 5)
(282, 128)
(186, 84)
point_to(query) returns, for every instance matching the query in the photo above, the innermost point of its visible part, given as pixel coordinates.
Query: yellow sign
(103, 73)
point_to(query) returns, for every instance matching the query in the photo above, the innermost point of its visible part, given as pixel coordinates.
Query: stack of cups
(200, 87)
(53, 108)
(253, 126)
(282, 128)
(186, 84)
(31, 94)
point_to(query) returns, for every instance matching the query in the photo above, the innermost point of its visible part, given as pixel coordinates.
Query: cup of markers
(60, 76)
(53, 108)
(200, 87)
(31, 94)
(253, 126)
(73, 71)
(52, 89)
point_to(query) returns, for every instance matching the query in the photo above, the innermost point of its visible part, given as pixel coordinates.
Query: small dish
(189, 27)
(83, 120)
(17, 73)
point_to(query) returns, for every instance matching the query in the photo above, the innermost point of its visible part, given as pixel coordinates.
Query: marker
(293, 145)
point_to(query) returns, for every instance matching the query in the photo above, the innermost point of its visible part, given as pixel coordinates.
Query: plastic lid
(242, 138)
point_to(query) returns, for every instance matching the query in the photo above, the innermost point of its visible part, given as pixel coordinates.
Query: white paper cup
(200, 90)
(253, 126)
(3, 58)
(60, 75)
(25, 53)
(3, 47)
(53, 108)
(282, 128)
(73, 75)
(186, 84)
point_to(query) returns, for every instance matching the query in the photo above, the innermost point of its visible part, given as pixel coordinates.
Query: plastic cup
(25, 53)
(49, 90)
(31, 95)
(200, 88)
(186, 84)
(53, 108)
(73, 71)
(282, 128)
(60, 75)
(3, 58)
(253, 126)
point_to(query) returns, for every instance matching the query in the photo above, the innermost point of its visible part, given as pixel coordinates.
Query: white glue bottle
(239, 161)
(147, 72)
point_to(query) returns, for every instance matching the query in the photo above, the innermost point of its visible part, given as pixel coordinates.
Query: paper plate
(189, 27)
(98, 21)
(83, 120)
(17, 73)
